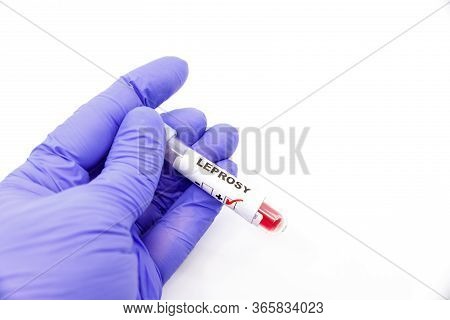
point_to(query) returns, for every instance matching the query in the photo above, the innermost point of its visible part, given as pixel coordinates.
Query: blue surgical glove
(80, 219)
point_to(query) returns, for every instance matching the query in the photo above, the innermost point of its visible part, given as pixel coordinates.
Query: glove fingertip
(156, 81)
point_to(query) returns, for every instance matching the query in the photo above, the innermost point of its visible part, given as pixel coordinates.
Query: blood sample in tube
(272, 220)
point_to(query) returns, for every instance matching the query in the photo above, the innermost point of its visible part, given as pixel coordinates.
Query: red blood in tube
(271, 218)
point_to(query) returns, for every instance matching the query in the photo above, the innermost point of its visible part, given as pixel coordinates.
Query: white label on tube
(220, 184)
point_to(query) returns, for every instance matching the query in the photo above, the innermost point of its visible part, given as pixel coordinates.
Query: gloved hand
(80, 220)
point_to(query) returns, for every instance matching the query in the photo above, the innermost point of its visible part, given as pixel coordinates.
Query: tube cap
(272, 220)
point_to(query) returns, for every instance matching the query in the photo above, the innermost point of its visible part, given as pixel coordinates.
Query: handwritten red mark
(230, 202)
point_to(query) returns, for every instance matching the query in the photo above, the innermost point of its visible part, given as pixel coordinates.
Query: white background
(378, 149)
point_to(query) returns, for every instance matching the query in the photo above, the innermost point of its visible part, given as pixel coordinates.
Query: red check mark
(230, 202)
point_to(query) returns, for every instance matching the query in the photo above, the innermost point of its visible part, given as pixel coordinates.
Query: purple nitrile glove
(80, 220)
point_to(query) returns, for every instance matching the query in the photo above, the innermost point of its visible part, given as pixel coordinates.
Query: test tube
(223, 186)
